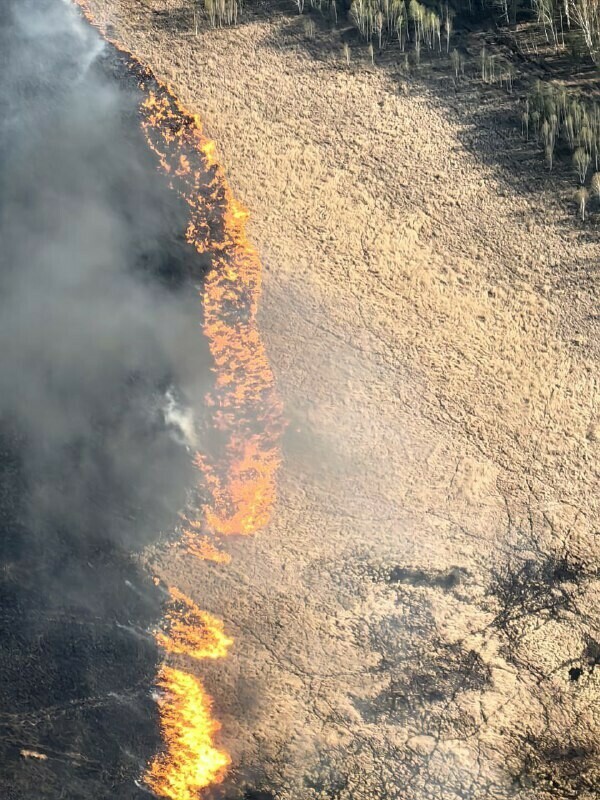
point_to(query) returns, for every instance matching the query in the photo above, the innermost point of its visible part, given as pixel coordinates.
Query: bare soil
(420, 620)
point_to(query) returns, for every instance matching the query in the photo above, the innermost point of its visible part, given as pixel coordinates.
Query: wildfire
(190, 762)
(244, 405)
(246, 419)
(201, 546)
(245, 413)
(191, 631)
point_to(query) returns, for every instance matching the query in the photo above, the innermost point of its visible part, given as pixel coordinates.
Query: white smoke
(180, 421)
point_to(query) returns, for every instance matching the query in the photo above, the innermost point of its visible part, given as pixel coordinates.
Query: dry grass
(432, 335)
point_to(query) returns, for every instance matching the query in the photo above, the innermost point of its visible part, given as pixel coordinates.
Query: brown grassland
(420, 619)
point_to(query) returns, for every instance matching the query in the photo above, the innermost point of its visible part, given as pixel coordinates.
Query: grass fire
(299, 415)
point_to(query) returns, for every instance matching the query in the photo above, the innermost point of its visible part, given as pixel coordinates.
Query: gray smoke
(101, 363)
(95, 321)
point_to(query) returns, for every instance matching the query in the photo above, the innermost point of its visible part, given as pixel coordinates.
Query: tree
(546, 14)
(222, 12)
(401, 25)
(569, 126)
(507, 74)
(595, 184)
(435, 30)
(415, 13)
(587, 138)
(448, 15)
(379, 27)
(346, 51)
(196, 15)
(525, 125)
(581, 162)
(581, 196)
(586, 14)
(548, 134)
(455, 60)
(360, 13)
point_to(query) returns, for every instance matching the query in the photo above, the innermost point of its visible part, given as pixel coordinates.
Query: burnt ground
(90, 472)
(420, 619)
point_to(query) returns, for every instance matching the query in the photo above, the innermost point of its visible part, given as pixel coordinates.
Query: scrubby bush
(581, 163)
(495, 69)
(392, 19)
(581, 197)
(222, 12)
(455, 60)
(558, 116)
(555, 114)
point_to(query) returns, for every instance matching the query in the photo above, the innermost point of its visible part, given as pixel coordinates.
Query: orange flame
(202, 548)
(191, 631)
(246, 414)
(244, 404)
(190, 762)
(198, 544)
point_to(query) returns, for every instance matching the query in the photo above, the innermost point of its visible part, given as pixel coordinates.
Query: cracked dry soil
(420, 620)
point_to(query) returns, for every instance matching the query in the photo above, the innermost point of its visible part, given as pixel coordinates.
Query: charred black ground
(99, 320)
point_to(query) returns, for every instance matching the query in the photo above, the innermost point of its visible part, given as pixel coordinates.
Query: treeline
(219, 13)
(430, 23)
(559, 119)
(561, 21)
(397, 20)
(558, 18)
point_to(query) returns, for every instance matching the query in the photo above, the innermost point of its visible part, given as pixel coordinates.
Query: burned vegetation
(95, 276)
(545, 588)
(424, 673)
(554, 752)
(560, 769)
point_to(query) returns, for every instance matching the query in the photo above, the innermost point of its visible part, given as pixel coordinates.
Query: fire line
(245, 412)
(191, 631)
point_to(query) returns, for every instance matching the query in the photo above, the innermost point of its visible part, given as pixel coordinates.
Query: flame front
(192, 632)
(246, 418)
(246, 422)
(244, 406)
(190, 762)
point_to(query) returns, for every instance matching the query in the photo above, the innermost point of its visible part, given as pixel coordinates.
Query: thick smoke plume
(100, 343)
(86, 228)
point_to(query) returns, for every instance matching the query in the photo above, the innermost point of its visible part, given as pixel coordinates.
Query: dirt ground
(420, 620)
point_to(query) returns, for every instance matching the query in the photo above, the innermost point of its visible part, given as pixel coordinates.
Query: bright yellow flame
(191, 761)
(191, 631)
(246, 412)
(241, 478)
(198, 544)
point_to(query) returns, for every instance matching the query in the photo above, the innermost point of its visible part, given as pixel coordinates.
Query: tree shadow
(174, 19)
(488, 116)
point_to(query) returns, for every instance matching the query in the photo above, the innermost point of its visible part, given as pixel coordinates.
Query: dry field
(420, 620)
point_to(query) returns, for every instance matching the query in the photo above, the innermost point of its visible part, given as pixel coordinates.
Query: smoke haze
(87, 227)
(98, 325)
